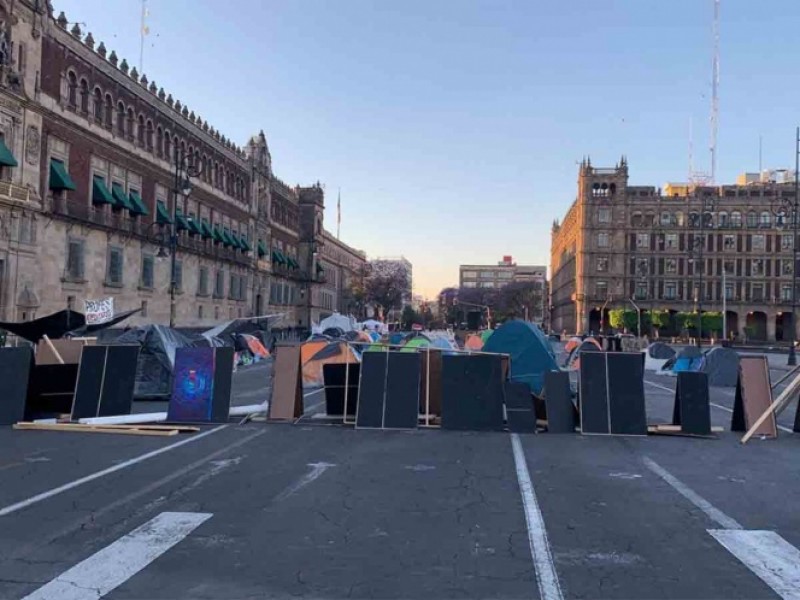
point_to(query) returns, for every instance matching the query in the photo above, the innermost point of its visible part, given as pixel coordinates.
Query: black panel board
(796, 427)
(90, 382)
(334, 376)
(517, 395)
(558, 401)
(626, 390)
(52, 389)
(371, 390)
(15, 374)
(116, 397)
(593, 390)
(223, 380)
(692, 410)
(521, 421)
(401, 409)
(472, 393)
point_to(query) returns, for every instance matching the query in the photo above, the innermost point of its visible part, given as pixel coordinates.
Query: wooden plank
(92, 429)
(53, 349)
(774, 409)
(753, 397)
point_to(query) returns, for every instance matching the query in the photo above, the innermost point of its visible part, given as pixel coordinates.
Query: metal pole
(173, 240)
(792, 360)
(724, 302)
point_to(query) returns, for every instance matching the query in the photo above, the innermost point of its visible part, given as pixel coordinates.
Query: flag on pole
(338, 213)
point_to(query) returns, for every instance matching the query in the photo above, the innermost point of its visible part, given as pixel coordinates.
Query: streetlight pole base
(792, 360)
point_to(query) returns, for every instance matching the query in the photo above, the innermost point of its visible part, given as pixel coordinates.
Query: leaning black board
(593, 393)
(15, 375)
(472, 392)
(223, 382)
(120, 378)
(401, 403)
(89, 386)
(692, 410)
(626, 393)
(371, 390)
(517, 395)
(335, 377)
(51, 391)
(558, 402)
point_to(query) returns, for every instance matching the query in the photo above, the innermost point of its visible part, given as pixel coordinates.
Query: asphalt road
(320, 511)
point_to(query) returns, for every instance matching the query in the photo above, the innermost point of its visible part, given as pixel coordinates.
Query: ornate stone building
(88, 192)
(342, 267)
(680, 248)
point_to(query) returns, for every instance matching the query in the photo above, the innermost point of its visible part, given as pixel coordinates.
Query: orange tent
(309, 349)
(474, 342)
(331, 352)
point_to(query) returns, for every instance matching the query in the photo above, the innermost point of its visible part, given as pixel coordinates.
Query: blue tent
(530, 350)
(688, 359)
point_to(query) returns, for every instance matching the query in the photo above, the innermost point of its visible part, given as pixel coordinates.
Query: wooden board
(401, 402)
(93, 429)
(692, 410)
(753, 397)
(372, 390)
(16, 365)
(593, 393)
(287, 385)
(472, 392)
(612, 393)
(116, 397)
(335, 378)
(560, 410)
(68, 349)
(431, 383)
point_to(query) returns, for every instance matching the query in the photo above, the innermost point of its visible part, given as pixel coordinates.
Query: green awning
(162, 215)
(278, 257)
(232, 238)
(120, 197)
(243, 244)
(139, 207)
(194, 226)
(226, 238)
(6, 158)
(206, 230)
(292, 263)
(59, 178)
(262, 249)
(320, 268)
(100, 193)
(217, 235)
(183, 224)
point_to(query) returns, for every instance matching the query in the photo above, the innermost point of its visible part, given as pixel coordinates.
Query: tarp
(60, 324)
(254, 345)
(722, 366)
(334, 332)
(332, 353)
(531, 353)
(156, 359)
(336, 320)
(373, 325)
(660, 350)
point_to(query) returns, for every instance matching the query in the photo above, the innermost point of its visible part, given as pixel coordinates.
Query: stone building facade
(342, 269)
(89, 193)
(680, 248)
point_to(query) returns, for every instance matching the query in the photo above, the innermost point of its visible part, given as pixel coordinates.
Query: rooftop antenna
(715, 93)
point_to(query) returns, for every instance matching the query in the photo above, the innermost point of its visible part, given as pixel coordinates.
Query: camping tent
(688, 359)
(656, 355)
(474, 342)
(573, 343)
(530, 350)
(335, 352)
(486, 334)
(573, 361)
(336, 320)
(722, 366)
(334, 332)
(416, 342)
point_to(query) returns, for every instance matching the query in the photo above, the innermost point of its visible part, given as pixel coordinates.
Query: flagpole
(142, 33)
(339, 213)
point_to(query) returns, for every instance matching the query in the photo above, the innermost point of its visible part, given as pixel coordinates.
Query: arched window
(752, 219)
(780, 218)
(694, 219)
(84, 96)
(121, 119)
(765, 220)
(175, 147)
(140, 131)
(130, 124)
(109, 109)
(204, 168)
(72, 90)
(149, 135)
(97, 105)
(736, 219)
(722, 216)
(196, 160)
(637, 219)
(159, 142)
(167, 145)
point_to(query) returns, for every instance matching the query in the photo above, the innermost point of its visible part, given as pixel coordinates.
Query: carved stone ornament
(32, 145)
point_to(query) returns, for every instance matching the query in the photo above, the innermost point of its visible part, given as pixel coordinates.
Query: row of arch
(751, 219)
(157, 139)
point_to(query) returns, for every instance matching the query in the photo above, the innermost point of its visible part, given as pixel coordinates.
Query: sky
(453, 128)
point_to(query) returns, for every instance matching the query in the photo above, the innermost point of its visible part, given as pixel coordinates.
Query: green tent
(486, 334)
(414, 343)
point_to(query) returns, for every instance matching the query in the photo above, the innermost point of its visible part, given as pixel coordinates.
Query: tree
(408, 317)
(517, 299)
(687, 320)
(354, 297)
(712, 322)
(384, 285)
(624, 318)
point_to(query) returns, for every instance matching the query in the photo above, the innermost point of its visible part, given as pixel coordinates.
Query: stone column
(742, 323)
(771, 316)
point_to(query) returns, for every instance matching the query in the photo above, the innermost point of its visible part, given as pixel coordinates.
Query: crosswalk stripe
(774, 560)
(115, 564)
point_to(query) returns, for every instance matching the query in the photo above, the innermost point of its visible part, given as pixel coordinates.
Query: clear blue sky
(453, 127)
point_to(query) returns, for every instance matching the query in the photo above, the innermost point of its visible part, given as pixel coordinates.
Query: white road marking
(774, 560)
(12, 508)
(620, 475)
(711, 511)
(314, 392)
(112, 566)
(546, 575)
(714, 404)
(317, 469)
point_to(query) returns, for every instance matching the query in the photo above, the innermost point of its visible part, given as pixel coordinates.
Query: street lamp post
(792, 360)
(184, 168)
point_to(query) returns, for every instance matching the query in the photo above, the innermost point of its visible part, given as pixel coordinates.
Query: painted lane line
(774, 560)
(317, 469)
(12, 508)
(112, 566)
(684, 490)
(715, 405)
(546, 575)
